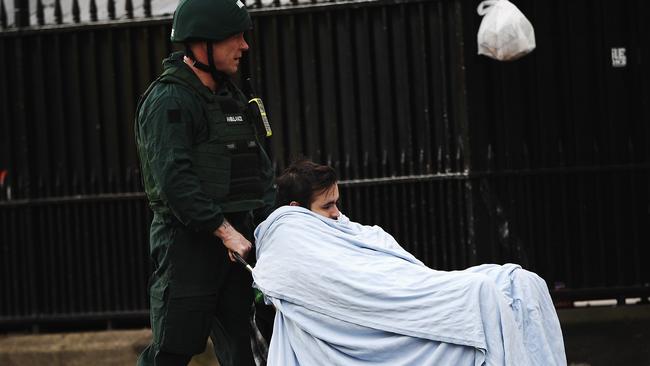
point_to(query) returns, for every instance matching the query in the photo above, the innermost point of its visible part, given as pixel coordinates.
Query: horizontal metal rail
(354, 182)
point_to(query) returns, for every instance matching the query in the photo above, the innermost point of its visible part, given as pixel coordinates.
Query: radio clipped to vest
(256, 106)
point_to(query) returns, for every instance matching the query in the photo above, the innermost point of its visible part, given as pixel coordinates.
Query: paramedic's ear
(294, 203)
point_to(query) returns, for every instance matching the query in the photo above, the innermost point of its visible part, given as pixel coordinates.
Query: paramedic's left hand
(233, 240)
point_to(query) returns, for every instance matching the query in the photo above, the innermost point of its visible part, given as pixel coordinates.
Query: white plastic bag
(505, 34)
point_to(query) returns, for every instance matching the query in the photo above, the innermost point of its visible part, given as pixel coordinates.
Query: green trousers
(181, 324)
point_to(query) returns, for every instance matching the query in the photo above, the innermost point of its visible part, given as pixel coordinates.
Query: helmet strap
(218, 76)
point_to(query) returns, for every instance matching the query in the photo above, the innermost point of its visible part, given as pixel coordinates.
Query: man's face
(325, 202)
(227, 53)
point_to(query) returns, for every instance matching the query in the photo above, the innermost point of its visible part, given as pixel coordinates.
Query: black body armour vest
(229, 161)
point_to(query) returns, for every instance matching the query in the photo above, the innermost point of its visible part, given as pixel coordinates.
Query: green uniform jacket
(201, 158)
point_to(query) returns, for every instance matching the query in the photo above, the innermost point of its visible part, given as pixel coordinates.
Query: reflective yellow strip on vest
(265, 120)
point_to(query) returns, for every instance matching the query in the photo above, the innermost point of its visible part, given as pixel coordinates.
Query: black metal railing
(543, 161)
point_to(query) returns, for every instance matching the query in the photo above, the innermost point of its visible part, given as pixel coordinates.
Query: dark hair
(302, 180)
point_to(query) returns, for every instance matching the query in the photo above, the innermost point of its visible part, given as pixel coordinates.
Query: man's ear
(294, 203)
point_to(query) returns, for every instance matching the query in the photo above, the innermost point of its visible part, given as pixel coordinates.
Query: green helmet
(210, 20)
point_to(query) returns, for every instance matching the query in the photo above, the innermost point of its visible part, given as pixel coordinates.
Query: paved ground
(605, 336)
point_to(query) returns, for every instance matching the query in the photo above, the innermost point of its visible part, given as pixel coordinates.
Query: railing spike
(58, 14)
(40, 13)
(76, 16)
(128, 7)
(93, 10)
(3, 14)
(21, 13)
(147, 8)
(111, 9)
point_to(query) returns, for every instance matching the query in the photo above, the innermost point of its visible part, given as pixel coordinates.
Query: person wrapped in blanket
(349, 294)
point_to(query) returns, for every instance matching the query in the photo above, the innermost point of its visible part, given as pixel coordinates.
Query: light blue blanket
(349, 294)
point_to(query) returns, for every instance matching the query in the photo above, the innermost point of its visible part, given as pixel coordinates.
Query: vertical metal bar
(3, 14)
(327, 66)
(5, 280)
(395, 203)
(7, 137)
(292, 93)
(127, 222)
(600, 277)
(91, 114)
(21, 13)
(109, 91)
(58, 14)
(365, 104)
(76, 249)
(58, 279)
(76, 13)
(43, 162)
(14, 264)
(273, 83)
(86, 257)
(48, 241)
(632, 194)
(97, 229)
(132, 257)
(470, 207)
(311, 106)
(433, 244)
(104, 242)
(158, 42)
(31, 294)
(76, 128)
(401, 121)
(443, 132)
(347, 202)
(348, 116)
(147, 8)
(461, 243)
(127, 104)
(420, 104)
(23, 119)
(116, 256)
(380, 45)
(120, 257)
(375, 194)
(92, 10)
(110, 6)
(422, 222)
(128, 8)
(141, 243)
(443, 216)
(550, 186)
(401, 213)
(68, 259)
(414, 220)
(40, 14)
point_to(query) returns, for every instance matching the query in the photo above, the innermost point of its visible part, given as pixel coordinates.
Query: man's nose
(335, 213)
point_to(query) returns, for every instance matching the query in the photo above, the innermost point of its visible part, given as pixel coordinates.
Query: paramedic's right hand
(233, 240)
